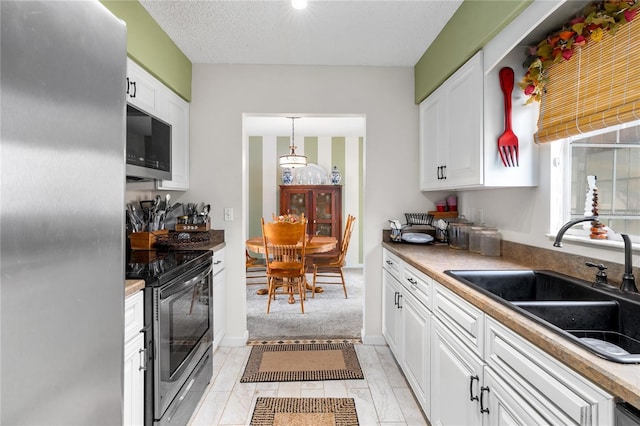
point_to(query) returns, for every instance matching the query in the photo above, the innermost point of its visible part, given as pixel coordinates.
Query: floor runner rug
(304, 411)
(303, 362)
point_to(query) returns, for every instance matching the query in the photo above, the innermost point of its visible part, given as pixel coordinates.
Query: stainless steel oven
(182, 331)
(178, 332)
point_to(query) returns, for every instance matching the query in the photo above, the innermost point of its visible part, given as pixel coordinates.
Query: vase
(287, 177)
(336, 176)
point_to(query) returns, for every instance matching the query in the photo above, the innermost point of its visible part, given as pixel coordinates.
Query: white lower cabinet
(505, 407)
(456, 380)
(466, 368)
(134, 360)
(558, 394)
(416, 345)
(407, 324)
(390, 311)
(219, 297)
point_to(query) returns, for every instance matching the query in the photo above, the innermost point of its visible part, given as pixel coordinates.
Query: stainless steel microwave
(148, 146)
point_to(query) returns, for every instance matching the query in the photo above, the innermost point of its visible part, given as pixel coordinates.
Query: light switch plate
(228, 214)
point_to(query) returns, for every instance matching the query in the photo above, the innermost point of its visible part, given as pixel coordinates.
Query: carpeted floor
(327, 316)
(304, 411)
(302, 362)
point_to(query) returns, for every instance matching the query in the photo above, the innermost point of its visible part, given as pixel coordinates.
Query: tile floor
(383, 397)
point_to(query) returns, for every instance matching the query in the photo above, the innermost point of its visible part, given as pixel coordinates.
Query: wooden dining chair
(330, 269)
(284, 248)
(256, 270)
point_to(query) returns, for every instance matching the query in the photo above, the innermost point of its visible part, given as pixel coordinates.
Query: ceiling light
(299, 4)
(293, 160)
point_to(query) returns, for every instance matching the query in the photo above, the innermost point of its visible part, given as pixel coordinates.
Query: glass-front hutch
(321, 205)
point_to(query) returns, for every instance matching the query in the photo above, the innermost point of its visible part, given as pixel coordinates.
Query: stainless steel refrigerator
(62, 186)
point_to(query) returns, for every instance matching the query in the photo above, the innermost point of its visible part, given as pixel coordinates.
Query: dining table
(315, 244)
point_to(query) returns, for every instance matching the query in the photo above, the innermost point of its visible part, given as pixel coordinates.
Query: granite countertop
(621, 380)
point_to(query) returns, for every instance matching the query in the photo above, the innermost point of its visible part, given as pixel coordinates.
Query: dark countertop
(621, 380)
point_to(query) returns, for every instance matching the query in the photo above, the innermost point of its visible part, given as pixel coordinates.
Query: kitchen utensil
(396, 229)
(167, 204)
(204, 214)
(132, 219)
(508, 141)
(137, 223)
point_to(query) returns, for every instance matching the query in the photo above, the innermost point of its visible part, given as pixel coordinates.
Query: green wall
(469, 29)
(151, 47)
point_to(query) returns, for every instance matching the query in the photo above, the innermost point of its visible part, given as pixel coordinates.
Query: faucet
(560, 234)
(628, 280)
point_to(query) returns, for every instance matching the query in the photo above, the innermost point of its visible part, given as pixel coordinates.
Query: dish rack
(416, 223)
(419, 219)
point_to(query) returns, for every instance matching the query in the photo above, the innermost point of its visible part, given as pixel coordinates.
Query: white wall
(523, 215)
(222, 93)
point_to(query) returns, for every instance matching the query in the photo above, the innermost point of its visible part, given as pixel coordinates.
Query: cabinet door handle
(399, 300)
(482, 390)
(471, 379)
(444, 172)
(135, 89)
(389, 262)
(128, 83)
(438, 170)
(395, 298)
(143, 359)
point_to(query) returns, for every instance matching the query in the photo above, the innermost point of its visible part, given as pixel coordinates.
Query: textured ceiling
(327, 32)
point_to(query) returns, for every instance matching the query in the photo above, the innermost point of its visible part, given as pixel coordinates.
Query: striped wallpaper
(265, 176)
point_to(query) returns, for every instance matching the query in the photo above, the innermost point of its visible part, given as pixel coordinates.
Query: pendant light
(292, 160)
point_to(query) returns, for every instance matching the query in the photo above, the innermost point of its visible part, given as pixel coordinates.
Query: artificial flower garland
(590, 25)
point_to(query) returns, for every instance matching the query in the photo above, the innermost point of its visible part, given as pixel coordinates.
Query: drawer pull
(471, 379)
(482, 409)
(143, 358)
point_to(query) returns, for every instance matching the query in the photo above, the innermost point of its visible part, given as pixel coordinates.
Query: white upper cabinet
(143, 91)
(451, 131)
(177, 114)
(146, 93)
(461, 121)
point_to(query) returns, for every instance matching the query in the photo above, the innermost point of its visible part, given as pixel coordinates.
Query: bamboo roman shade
(597, 88)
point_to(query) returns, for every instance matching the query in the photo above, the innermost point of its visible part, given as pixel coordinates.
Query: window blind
(597, 88)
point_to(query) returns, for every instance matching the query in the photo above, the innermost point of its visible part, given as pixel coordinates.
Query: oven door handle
(169, 290)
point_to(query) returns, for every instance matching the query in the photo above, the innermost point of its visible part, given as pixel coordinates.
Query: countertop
(132, 287)
(621, 380)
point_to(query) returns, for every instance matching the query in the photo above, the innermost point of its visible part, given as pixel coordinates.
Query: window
(613, 156)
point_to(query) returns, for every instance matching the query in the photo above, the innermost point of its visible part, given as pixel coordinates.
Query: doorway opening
(327, 141)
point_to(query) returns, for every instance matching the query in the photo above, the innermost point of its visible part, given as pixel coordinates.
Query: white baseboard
(375, 340)
(235, 340)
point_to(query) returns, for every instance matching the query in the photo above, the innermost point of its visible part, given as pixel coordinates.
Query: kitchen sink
(605, 322)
